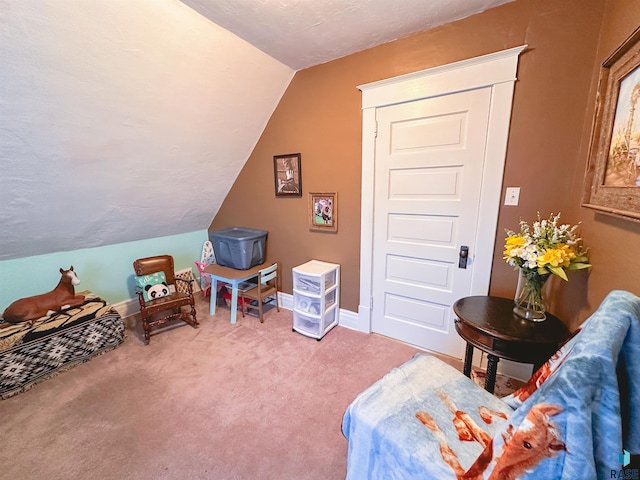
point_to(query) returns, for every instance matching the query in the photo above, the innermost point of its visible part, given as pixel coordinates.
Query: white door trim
(496, 70)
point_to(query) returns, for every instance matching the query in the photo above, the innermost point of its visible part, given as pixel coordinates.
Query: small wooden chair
(267, 286)
(159, 311)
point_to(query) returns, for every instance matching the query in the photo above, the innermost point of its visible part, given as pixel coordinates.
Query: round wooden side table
(488, 323)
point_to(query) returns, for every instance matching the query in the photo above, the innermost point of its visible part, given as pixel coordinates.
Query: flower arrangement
(546, 247)
(538, 251)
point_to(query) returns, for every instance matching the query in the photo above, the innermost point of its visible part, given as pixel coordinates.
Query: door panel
(424, 183)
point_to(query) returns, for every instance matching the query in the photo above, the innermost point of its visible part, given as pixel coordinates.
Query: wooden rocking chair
(158, 311)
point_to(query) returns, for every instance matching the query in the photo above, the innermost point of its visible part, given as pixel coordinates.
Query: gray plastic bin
(238, 247)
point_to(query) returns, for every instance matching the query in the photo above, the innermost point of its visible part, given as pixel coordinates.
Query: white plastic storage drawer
(316, 297)
(330, 317)
(313, 304)
(314, 326)
(307, 324)
(312, 284)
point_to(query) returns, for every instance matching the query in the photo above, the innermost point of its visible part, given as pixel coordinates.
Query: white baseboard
(285, 300)
(346, 318)
(349, 319)
(126, 308)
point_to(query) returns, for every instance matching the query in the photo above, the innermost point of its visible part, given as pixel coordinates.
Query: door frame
(495, 70)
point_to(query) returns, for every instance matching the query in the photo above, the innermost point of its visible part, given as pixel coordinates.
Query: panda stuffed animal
(157, 291)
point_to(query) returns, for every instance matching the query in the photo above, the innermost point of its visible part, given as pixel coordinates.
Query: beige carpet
(244, 401)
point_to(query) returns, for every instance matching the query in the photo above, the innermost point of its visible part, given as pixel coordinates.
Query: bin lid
(316, 267)
(240, 233)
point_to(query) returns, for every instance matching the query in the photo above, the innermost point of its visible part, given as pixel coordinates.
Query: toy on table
(208, 258)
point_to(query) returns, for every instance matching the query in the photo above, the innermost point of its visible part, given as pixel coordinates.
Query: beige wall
(613, 241)
(320, 117)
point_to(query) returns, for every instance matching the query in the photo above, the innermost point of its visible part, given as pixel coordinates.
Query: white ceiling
(303, 33)
(123, 121)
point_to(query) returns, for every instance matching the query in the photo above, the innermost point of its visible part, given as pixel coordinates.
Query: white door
(429, 159)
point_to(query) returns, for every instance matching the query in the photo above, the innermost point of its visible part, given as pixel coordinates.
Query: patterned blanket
(387, 440)
(590, 390)
(578, 417)
(29, 354)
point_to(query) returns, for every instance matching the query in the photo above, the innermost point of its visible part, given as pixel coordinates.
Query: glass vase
(530, 300)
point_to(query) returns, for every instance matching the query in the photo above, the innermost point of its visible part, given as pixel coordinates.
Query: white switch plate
(512, 196)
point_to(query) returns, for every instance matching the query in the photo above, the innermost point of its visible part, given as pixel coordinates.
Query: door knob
(463, 256)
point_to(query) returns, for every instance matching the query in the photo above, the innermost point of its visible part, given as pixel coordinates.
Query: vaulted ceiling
(122, 121)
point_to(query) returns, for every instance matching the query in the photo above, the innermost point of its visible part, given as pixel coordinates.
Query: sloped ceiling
(126, 120)
(122, 120)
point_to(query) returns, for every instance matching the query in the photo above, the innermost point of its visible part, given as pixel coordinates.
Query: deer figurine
(29, 309)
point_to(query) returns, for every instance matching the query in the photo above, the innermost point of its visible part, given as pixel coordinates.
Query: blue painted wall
(107, 271)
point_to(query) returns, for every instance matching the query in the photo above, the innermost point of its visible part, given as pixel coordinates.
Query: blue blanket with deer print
(577, 417)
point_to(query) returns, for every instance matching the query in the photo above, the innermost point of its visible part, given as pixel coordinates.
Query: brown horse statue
(30, 309)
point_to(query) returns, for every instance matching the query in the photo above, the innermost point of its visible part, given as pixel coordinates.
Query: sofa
(30, 354)
(577, 417)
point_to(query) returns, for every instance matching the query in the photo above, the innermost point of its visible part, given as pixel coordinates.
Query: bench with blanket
(29, 354)
(577, 417)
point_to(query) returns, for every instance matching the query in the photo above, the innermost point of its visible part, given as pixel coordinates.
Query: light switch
(512, 196)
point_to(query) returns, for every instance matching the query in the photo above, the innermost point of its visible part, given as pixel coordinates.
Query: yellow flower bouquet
(538, 251)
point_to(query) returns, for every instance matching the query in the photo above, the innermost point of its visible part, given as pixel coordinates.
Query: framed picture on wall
(323, 212)
(612, 182)
(288, 175)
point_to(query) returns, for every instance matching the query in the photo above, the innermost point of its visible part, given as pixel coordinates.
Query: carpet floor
(243, 401)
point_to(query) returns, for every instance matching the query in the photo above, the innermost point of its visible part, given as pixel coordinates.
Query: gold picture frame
(612, 180)
(323, 212)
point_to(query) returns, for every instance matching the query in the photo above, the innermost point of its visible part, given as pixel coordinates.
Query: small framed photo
(288, 175)
(323, 212)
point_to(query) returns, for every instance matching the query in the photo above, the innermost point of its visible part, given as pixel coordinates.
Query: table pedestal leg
(468, 359)
(214, 296)
(234, 301)
(492, 368)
